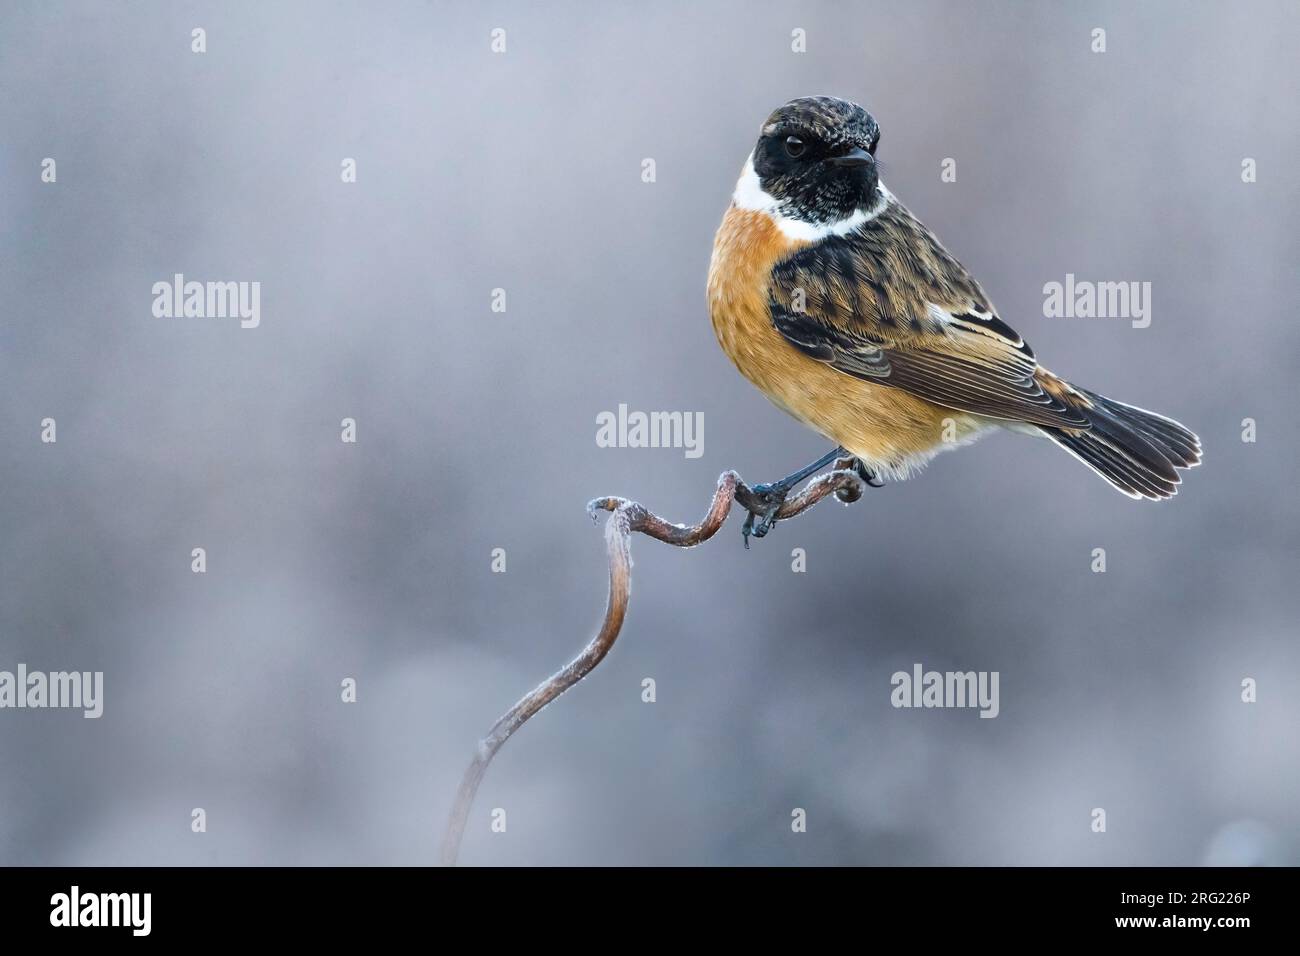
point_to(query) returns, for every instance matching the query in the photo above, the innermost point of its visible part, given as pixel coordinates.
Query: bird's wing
(888, 304)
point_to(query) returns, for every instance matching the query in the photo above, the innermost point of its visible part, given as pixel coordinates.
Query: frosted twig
(626, 517)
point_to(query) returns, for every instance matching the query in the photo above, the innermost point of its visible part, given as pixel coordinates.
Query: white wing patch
(978, 320)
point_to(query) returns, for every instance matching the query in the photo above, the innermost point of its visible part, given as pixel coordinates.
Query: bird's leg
(859, 468)
(770, 497)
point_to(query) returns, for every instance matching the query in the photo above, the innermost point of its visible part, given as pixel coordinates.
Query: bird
(849, 314)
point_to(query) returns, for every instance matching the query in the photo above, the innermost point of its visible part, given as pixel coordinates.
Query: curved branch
(625, 518)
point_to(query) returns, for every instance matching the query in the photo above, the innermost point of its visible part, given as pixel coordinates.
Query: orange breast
(887, 427)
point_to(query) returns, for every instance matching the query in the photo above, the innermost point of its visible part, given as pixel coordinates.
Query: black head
(816, 158)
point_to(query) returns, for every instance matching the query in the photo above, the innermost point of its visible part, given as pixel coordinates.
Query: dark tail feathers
(1137, 451)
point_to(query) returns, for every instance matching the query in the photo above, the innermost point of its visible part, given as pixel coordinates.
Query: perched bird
(848, 313)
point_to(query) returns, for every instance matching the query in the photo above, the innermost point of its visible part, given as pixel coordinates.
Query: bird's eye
(794, 147)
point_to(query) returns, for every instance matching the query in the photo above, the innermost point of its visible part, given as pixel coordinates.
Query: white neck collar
(751, 196)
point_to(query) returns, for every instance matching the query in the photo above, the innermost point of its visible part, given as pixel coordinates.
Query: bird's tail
(1137, 451)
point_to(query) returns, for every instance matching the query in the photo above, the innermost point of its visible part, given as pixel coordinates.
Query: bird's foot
(763, 502)
(767, 501)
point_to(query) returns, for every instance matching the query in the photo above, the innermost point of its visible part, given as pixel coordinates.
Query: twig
(625, 518)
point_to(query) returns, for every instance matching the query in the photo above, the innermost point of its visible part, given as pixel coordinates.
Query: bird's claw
(769, 498)
(855, 465)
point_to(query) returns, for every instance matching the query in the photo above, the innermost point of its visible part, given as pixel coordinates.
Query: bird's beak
(857, 156)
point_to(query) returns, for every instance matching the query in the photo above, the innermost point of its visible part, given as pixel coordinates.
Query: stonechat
(848, 313)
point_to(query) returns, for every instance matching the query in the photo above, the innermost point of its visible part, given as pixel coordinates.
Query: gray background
(477, 430)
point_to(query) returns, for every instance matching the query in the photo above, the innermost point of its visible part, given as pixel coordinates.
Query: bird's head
(814, 163)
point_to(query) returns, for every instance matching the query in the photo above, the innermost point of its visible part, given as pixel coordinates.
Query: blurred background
(476, 430)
